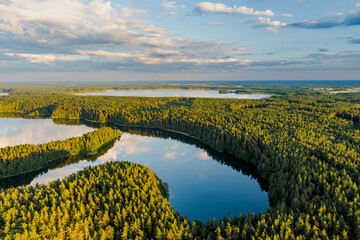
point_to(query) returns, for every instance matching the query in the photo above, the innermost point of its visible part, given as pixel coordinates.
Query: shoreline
(64, 156)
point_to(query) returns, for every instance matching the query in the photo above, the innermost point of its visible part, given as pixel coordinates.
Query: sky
(102, 40)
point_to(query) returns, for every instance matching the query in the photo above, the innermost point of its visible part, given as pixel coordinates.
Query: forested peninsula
(306, 147)
(116, 200)
(20, 159)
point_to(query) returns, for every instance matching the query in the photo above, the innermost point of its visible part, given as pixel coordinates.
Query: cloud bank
(67, 31)
(96, 35)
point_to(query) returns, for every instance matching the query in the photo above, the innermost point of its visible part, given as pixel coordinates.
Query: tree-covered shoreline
(115, 200)
(25, 158)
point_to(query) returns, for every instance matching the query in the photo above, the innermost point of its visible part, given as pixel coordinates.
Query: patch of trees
(116, 200)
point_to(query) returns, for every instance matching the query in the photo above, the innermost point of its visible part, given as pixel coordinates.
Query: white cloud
(166, 57)
(154, 29)
(103, 53)
(358, 5)
(163, 52)
(173, 14)
(208, 7)
(110, 54)
(196, 61)
(109, 38)
(12, 29)
(66, 12)
(270, 25)
(74, 21)
(158, 41)
(130, 12)
(47, 58)
(169, 5)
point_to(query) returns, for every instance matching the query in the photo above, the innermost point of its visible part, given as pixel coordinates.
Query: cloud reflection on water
(197, 185)
(15, 131)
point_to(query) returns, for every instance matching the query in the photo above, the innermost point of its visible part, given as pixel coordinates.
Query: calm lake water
(176, 93)
(3, 94)
(16, 131)
(201, 185)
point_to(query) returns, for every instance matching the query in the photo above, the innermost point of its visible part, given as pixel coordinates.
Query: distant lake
(3, 94)
(203, 183)
(176, 93)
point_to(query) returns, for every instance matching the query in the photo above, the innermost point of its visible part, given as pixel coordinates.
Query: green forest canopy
(306, 147)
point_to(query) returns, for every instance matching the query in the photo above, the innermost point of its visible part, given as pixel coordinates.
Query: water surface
(176, 93)
(203, 183)
(16, 131)
(3, 94)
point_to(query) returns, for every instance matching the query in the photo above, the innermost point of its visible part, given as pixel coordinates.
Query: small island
(20, 159)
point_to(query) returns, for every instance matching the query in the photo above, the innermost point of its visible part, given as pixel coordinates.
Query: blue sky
(179, 40)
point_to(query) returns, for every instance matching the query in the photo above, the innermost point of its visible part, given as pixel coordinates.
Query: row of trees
(24, 158)
(306, 148)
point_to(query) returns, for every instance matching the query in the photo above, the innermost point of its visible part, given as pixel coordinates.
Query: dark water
(176, 93)
(203, 183)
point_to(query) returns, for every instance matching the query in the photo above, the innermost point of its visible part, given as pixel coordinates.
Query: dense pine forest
(25, 158)
(116, 200)
(306, 147)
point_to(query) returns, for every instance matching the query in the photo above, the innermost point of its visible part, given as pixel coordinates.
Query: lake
(203, 183)
(16, 131)
(3, 94)
(176, 93)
